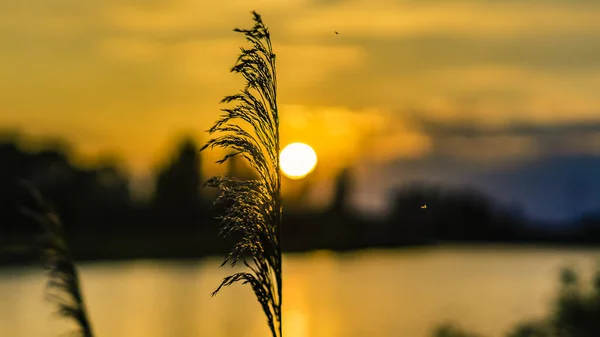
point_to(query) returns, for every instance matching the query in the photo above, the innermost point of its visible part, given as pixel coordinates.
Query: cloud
(176, 17)
(344, 137)
(311, 64)
(473, 130)
(487, 149)
(208, 61)
(129, 49)
(147, 67)
(388, 19)
(512, 142)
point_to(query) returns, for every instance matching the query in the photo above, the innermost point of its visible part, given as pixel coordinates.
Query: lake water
(370, 293)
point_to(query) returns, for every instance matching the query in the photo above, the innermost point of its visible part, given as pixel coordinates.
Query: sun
(297, 160)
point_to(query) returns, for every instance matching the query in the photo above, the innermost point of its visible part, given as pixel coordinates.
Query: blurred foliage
(450, 330)
(575, 312)
(63, 285)
(530, 329)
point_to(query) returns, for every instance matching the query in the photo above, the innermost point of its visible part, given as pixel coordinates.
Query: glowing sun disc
(297, 160)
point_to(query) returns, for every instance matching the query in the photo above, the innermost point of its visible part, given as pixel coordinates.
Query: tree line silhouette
(103, 221)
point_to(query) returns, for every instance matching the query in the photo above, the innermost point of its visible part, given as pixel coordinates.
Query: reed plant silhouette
(252, 209)
(63, 286)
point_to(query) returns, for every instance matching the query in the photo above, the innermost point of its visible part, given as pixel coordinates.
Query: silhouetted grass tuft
(253, 207)
(63, 287)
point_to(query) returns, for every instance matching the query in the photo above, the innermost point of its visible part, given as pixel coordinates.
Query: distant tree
(421, 210)
(409, 221)
(177, 195)
(96, 197)
(91, 198)
(341, 192)
(12, 164)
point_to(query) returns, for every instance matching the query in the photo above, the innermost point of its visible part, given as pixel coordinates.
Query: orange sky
(128, 76)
